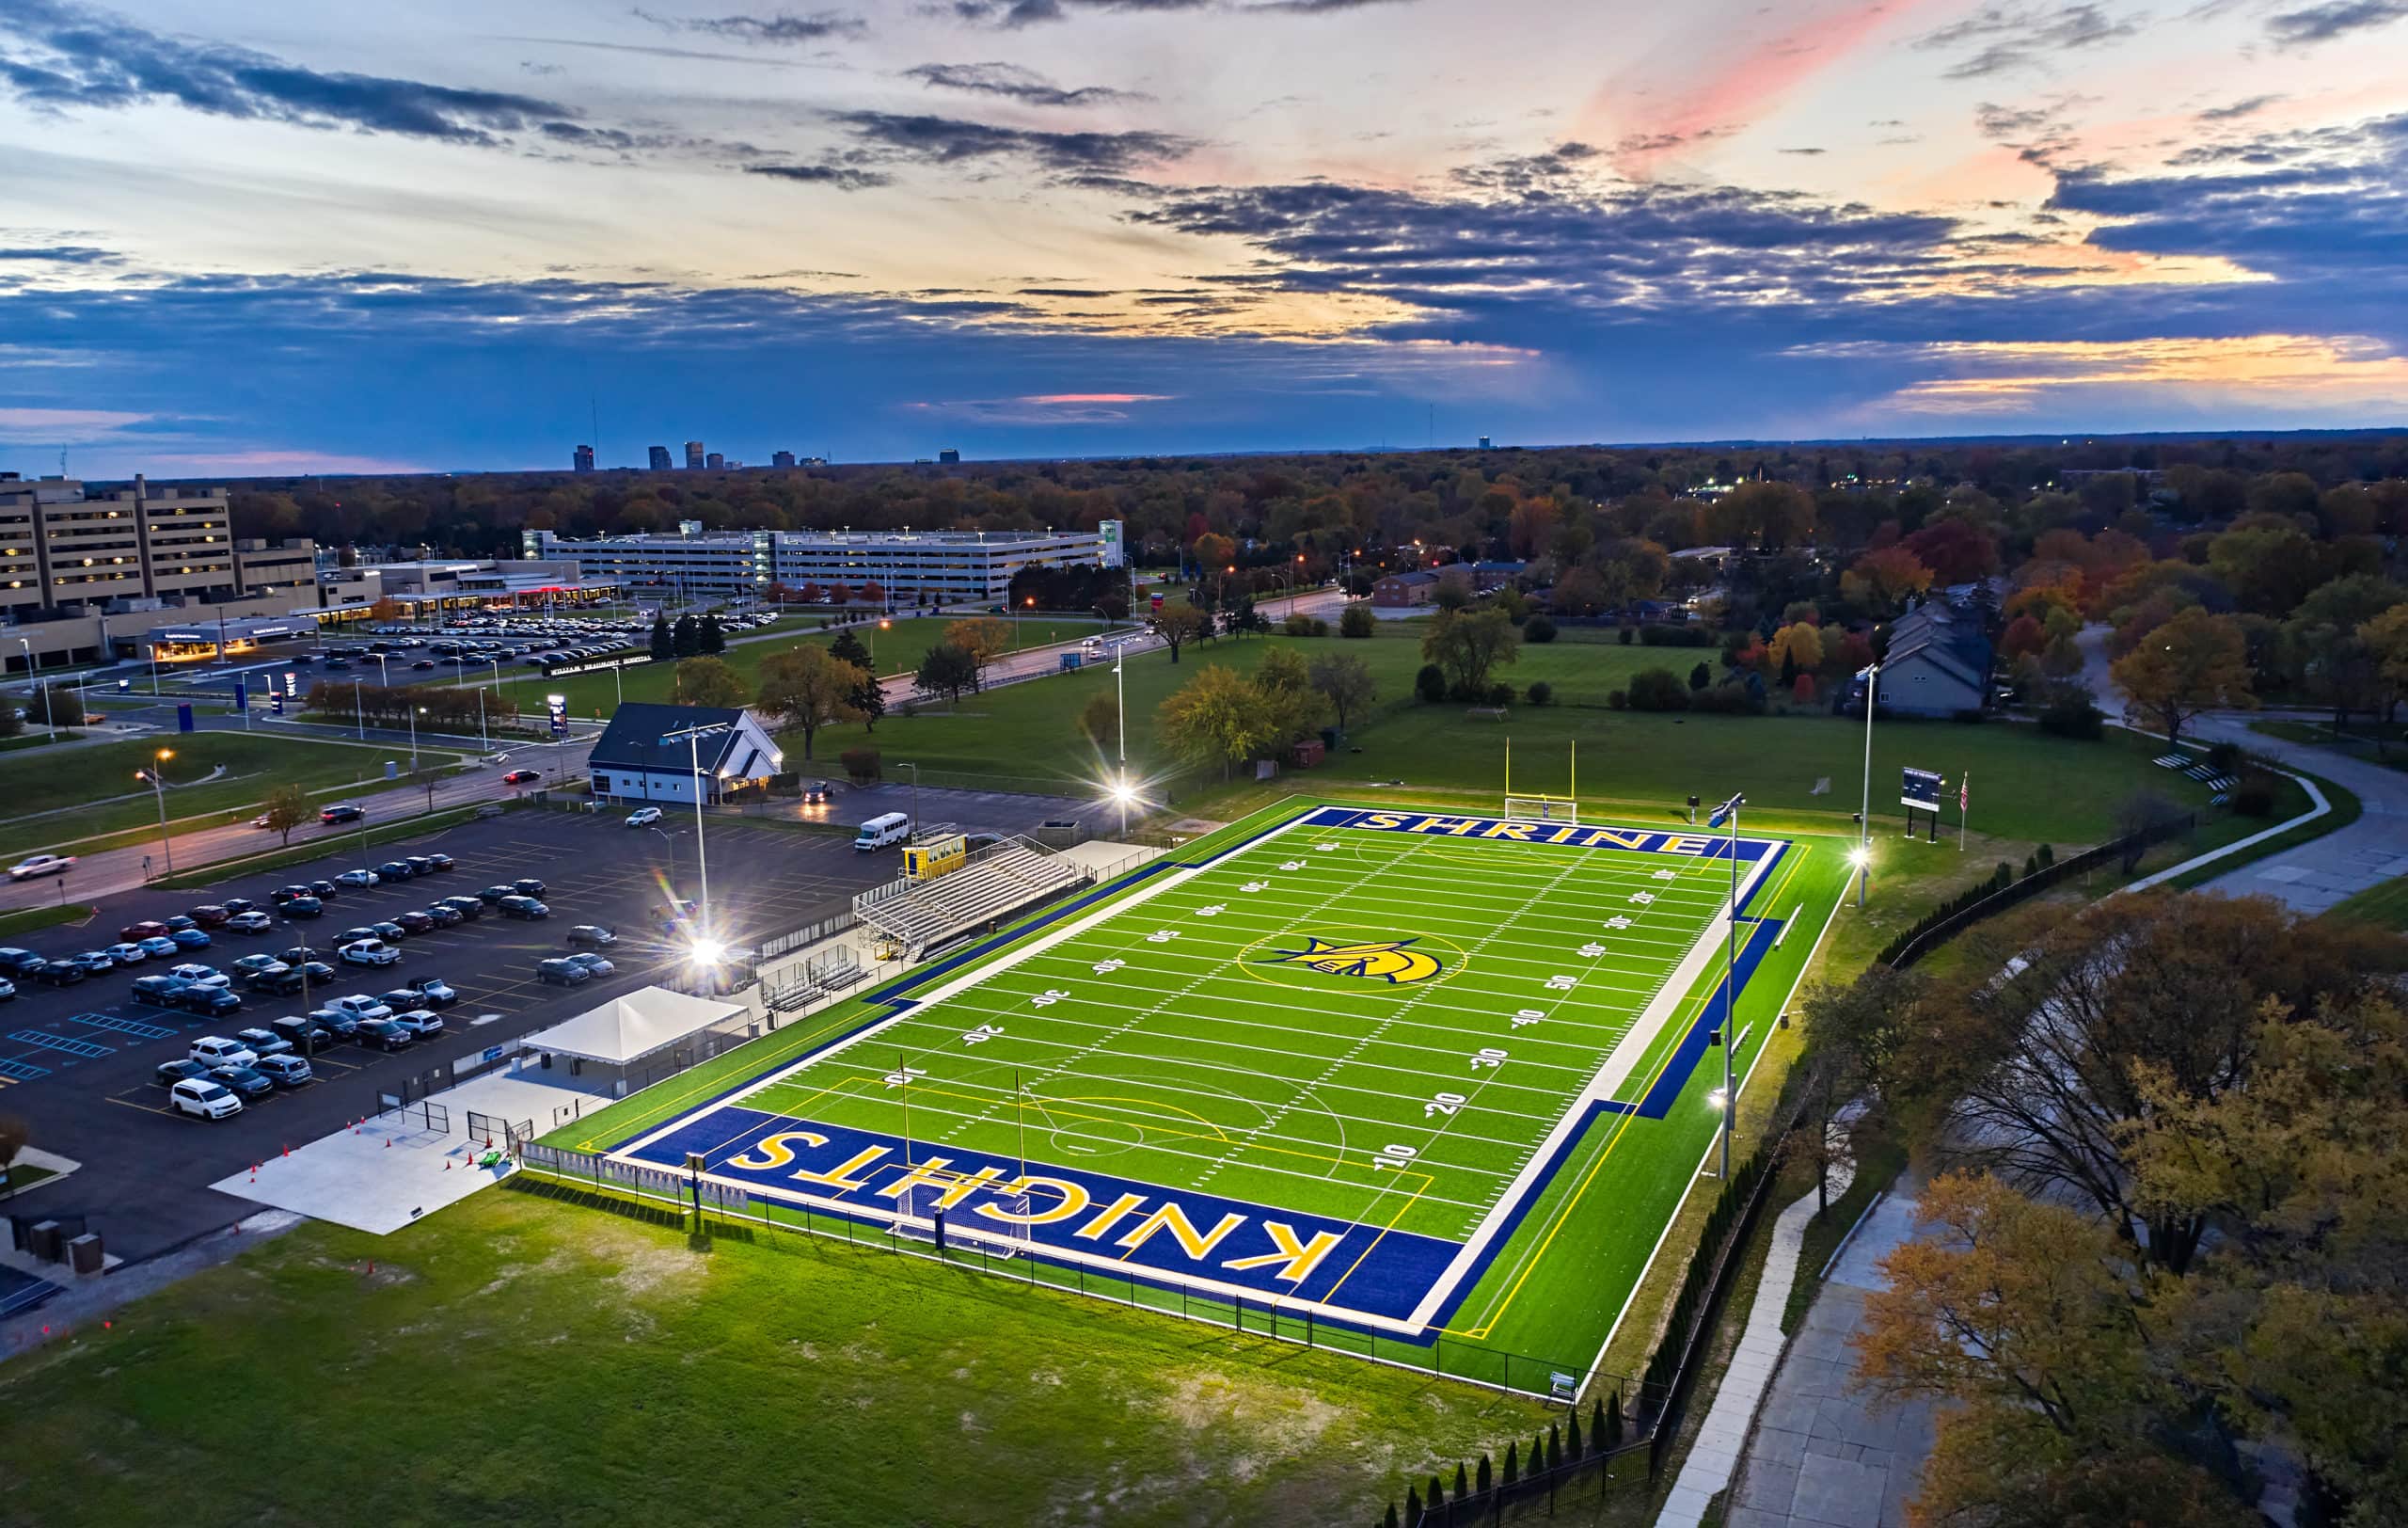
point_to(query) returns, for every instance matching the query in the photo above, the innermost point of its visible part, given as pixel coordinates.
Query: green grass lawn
(1166, 1043)
(255, 762)
(2027, 785)
(2385, 906)
(896, 650)
(26, 920)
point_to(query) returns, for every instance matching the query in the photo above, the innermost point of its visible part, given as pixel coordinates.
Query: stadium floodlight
(706, 951)
(1860, 856)
(1718, 1098)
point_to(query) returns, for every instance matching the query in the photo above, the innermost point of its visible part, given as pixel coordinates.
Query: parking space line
(60, 1042)
(126, 1027)
(21, 1071)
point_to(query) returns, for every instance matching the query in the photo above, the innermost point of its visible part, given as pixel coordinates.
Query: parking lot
(78, 1063)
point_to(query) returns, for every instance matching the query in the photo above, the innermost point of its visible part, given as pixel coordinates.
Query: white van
(878, 831)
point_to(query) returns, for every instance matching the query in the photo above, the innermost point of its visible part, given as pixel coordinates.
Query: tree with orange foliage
(1881, 579)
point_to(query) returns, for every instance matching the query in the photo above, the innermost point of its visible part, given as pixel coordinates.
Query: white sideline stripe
(1643, 1032)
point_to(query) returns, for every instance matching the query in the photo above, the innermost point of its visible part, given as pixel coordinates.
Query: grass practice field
(1437, 1082)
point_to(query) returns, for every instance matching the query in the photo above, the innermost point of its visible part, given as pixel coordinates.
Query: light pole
(1871, 677)
(358, 715)
(1120, 715)
(166, 845)
(693, 737)
(673, 864)
(915, 797)
(415, 712)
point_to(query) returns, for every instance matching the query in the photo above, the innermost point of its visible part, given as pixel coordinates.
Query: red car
(135, 932)
(519, 777)
(209, 915)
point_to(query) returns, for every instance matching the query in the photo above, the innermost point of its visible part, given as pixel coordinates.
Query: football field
(1415, 1074)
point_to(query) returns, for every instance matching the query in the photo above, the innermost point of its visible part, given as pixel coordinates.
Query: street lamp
(158, 791)
(416, 711)
(673, 864)
(1870, 674)
(693, 738)
(915, 796)
(1120, 716)
(358, 715)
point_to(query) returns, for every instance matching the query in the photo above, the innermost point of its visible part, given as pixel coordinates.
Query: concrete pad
(1769, 1487)
(1748, 1516)
(1889, 1225)
(380, 1175)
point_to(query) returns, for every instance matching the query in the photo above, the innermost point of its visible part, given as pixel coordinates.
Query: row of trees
(687, 637)
(1222, 719)
(804, 688)
(2176, 1141)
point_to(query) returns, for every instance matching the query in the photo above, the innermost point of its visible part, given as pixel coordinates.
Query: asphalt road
(76, 1063)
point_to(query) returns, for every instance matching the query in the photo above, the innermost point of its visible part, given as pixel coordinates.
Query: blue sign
(1920, 790)
(242, 697)
(183, 716)
(276, 702)
(558, 705)
(124, 684)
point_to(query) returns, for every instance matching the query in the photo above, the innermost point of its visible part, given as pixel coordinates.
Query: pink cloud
(1098, 398)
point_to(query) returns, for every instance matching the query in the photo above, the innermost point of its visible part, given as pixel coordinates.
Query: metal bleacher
(997, 881)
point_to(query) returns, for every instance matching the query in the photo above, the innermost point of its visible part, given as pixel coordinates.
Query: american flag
(1965, 791)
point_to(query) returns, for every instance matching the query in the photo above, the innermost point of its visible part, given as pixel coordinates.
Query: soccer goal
(963, 1226)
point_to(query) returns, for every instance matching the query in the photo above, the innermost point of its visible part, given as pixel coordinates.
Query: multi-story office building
(913, 567)
(660, 458)
(782, 458)
(72, 560)
(715, 462)
(583, 460)
(693, 455)
(949, 457)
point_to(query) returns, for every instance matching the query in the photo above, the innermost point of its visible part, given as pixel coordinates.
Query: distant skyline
(241, 239)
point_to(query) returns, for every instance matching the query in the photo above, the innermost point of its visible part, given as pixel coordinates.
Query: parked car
(383, 1034)
(18, 961)
(305, 907)
(523, 907)
(526, 885)
(7, 990)
(317, 972)
(148, 929)
(211, 914)
(467, 907)
(434, 992)
(326, 891)
(390, 931)
(492, 895)
(93, 962)
(284, 1069)
(208, 1002)
(306, 1036)
(421, 1022)
(562, 973)
(279, 979)
(168, 1073)
(421, 864)
(394, 870)
(191, 939)
(643, 817)
(441, 916)
(595, 964)
(194, 975)
(440, 862)
(369, 952)
(203, 1098)
(352, 935)
(155, 988)
(41, 864)
(520, 777)
(251, 966)
(55, 973)
(591, 937)
(239, 905)
(357, 878)
(127, 954)
(264, 1043)
(299, 954)
(414, 922)
(160, 945)
(245, 1079)
(251, 922)
(362, 1007)
(177, 923)
(282, 897)
(348, 811)
(217, 1050)
(335, 1021)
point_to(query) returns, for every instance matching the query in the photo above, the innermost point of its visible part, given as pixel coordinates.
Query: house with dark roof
(1410, 588)
(644, 757)
(1938, 664)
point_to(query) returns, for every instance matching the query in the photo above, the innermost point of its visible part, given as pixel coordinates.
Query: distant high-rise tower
(660, 458)
(782, 458)
(716, 462)
(1483, 443)
(948, 454)
(584, 459)
(693, 455)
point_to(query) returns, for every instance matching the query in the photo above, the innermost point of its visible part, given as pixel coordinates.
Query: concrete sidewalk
(1825, 1453)
(385, 1173)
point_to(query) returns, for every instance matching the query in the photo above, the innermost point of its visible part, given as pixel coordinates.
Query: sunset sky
(242, 237)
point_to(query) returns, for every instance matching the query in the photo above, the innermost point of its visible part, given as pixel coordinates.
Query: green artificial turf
(1171, 1038)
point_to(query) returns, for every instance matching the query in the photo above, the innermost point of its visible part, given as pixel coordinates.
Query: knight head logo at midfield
(1374, 960)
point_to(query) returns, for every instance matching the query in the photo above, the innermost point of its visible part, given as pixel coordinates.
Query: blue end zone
(1183, 1233)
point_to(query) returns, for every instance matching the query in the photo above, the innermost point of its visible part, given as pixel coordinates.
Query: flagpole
(1964, 807)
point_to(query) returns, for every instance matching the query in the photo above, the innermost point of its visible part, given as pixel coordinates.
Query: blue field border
(1655, 1105)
